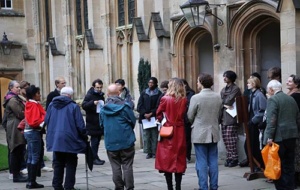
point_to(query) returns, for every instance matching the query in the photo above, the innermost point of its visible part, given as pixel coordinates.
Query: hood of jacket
(152, 92)
(114, 104)
(7, 97)
(60, 102)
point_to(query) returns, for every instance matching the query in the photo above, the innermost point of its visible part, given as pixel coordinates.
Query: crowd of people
(198, 120)
(273, 116)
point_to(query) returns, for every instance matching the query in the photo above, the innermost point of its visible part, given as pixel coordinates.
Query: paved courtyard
(146, 177)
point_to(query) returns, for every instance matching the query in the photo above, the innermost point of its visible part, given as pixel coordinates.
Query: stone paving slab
(146, 177)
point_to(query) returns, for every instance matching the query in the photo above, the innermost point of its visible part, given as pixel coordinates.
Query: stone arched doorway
(254, 34)
(192, 52)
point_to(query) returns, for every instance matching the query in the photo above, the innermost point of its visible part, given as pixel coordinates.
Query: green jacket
(282, 116)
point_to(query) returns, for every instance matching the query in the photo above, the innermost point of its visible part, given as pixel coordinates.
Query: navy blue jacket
(65, 126)
(118, 121)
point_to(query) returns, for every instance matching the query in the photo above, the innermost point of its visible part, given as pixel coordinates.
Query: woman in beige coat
(203, 113)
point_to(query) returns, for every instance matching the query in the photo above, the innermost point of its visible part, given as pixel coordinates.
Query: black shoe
(233, 163)
(101, 160)
(34, 185)
(244, 163)
(257, 169)
(19, 179)
(149, 155)
(98, 162)
(226, 164)
(188, 160)
(153, 155)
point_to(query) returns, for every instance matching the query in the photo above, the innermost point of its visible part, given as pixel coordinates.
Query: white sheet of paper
(99, 105)
(149, 124)
(232, 112)
(164, 120)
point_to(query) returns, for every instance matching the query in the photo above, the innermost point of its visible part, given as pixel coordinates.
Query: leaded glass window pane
(47, 19)
(131, 11)
(86, 16)
(6, 4)
(78, 17)
(121, 13)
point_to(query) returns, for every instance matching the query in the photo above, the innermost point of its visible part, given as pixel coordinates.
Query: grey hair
(12, 84)
(275, 85)
(66, 91)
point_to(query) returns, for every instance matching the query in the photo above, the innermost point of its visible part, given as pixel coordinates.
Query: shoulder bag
(167, 131)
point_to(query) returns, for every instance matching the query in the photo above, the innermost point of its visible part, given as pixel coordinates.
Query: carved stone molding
(120, 37)
(124, 36)
(79, 43)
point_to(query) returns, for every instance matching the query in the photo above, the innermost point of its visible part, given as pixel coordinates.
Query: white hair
(275, 85)
(67, 91)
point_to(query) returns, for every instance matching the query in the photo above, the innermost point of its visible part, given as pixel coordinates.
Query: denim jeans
(34, 142)
(207, 163)
(62, 160)
(95, 142)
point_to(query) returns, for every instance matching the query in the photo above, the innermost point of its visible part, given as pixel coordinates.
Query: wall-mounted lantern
(195, 12)
(6, 45)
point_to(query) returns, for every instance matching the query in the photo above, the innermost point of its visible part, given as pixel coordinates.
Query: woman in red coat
(171, 152)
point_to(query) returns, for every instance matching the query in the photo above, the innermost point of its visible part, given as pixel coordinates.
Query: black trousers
(16, 159)
(188, 138)
(254, 144)
(61, 161)
(287, 156)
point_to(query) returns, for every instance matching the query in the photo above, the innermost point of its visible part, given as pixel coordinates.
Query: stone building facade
(87, 39)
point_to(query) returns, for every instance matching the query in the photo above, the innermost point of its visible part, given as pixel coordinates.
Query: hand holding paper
(231, 111)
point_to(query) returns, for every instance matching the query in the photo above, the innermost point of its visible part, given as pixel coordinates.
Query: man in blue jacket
(118, 120)
(65, 137)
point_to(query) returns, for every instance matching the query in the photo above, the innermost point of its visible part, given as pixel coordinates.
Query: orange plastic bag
(272, 161)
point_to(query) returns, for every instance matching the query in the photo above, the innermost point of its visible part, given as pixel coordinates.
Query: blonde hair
(176, 89)
(254, 80)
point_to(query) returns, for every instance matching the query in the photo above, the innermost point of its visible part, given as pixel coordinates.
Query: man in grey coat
(204, 113)
(282, 128)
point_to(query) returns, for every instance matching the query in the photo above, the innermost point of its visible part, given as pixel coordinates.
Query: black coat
(50, 97)
(92, 117)
(147, 103)
(189, 94)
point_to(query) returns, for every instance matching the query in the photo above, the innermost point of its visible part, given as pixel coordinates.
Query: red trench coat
(171, 152)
